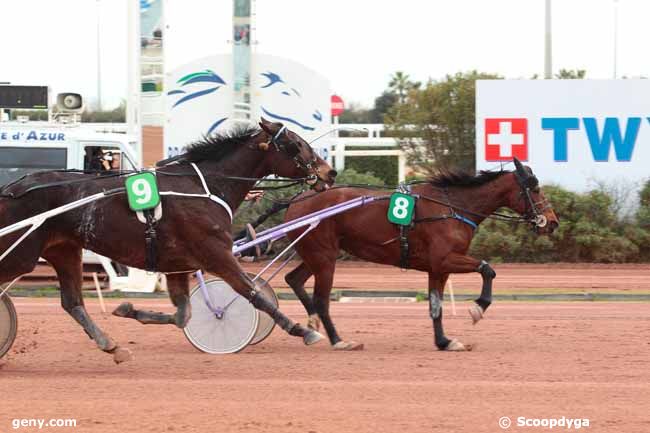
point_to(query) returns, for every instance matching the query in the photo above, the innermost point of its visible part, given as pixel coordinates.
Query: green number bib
(142, 191)
(401, 209)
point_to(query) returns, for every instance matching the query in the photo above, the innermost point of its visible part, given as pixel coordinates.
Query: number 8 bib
(400, 209)
(142, 191)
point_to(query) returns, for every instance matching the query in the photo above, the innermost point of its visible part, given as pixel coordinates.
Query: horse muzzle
(542, 225)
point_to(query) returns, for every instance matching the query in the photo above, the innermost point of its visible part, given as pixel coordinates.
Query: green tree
(435, 125)
(571, 74)
(383, 104)
(355, 113)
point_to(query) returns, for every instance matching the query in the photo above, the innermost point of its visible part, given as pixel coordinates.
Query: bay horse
(194, 233)
(450, 207)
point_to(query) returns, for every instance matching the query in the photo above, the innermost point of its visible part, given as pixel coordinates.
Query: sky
(357, 44)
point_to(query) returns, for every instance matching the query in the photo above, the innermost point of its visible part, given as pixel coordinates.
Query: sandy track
(579, 360)
(511, 278)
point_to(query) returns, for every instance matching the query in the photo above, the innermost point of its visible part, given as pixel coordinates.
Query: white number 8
(142, 191)
(400, 208)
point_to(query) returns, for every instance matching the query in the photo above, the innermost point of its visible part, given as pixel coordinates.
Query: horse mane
(464, 179)
(216, 146)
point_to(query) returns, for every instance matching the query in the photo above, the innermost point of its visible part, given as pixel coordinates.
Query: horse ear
(266, 126)
(520, 168)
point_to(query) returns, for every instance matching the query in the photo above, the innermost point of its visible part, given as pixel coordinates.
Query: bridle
(310, 166)
(534, 211)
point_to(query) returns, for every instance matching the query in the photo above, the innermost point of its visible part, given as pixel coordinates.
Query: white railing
(388, 146)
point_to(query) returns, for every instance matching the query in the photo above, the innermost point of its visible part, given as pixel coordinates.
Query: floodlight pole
(615, 37)
(548, 43)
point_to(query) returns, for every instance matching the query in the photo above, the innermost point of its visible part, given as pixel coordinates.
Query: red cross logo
(505, 139)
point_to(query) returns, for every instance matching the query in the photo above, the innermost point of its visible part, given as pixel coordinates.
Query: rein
(103, 175)
(495, 215)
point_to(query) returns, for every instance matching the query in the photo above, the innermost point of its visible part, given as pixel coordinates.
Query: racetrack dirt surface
(511, 278)
(535, 360)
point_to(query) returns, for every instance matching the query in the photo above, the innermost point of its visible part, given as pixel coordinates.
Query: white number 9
(400, 208)
(142, 191)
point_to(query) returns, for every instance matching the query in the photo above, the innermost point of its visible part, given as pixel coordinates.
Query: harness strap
(276, 136)
(207, 194)
(455, 216)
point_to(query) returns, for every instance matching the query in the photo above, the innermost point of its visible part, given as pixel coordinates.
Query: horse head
(291, 156)
(528, 200)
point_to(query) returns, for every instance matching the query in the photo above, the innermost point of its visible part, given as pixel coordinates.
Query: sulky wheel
(230, 329)
(8, 324)
(266, 323)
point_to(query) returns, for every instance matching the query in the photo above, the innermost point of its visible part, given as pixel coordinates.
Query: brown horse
(194, 233)
(449, 208)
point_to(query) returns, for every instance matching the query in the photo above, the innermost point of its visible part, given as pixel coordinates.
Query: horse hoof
(476, 312)
(123, 310)
(106, 343)
(348, 345)
(181, 320)
(313, 322)
(121, 355)
(457, 346)
(312, 337)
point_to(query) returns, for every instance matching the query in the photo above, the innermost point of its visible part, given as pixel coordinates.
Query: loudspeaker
(69, 102)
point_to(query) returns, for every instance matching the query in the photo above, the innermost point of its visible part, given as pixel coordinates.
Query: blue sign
(602, 136)
(32, 135)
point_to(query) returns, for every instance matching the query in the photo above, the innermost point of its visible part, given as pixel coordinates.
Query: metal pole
(133, 42)
(99, 61)
(548, 44)
(615, 36)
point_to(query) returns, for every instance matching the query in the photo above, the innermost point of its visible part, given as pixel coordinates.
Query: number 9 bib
(400, 209)
(142, 191)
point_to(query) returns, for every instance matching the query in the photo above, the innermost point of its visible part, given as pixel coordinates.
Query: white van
(36, 146)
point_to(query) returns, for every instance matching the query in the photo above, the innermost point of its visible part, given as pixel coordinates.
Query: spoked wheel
(228, 330)
(266, 323)
(8, 324)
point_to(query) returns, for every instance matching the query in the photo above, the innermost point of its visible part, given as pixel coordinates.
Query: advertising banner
(575, 133)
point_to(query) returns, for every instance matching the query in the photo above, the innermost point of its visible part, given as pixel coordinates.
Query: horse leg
(485, 298)
(324, 279)
(178, 286)
(296, 280)
(21, 260)
(228, 268)
(436, 291)
(459, 263)
(67, 262)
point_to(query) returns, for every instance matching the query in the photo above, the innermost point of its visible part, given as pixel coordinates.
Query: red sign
(337, 105)
(505, 139)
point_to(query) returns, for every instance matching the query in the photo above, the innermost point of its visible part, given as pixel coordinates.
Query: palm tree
(401, 84)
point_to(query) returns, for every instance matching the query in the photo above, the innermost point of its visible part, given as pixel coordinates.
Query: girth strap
(150, 238)
(404, 246)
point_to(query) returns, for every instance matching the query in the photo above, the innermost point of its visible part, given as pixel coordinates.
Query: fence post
(340, 155)
(401, 167)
